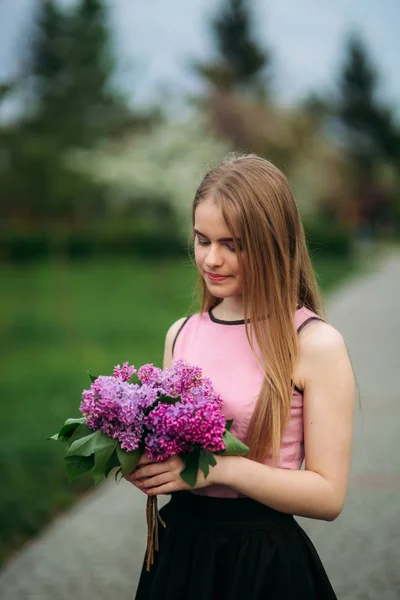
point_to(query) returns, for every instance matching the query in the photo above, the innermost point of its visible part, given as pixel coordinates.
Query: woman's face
(215, 253)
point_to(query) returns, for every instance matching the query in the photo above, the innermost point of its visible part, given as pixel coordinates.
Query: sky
(156, 40)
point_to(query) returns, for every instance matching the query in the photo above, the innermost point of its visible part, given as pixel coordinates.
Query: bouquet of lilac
(153, 411)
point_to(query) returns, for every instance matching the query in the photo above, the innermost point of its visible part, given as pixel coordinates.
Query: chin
(220, 293)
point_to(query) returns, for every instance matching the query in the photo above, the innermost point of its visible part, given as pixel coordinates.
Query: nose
(214, 257)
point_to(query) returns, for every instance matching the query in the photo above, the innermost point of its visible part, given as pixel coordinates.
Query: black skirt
(232, 549)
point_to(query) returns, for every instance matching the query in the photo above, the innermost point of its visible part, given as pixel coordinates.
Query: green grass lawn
(58, 320)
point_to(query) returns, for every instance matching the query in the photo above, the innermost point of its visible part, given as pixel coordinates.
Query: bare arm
(319, 490)
(169, 341)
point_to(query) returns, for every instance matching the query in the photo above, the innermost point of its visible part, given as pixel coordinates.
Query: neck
(230, 309)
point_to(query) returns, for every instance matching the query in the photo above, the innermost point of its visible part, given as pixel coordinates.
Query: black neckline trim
(241, 321)
(221, 322)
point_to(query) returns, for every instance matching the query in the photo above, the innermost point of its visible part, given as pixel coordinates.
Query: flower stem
(153, 519)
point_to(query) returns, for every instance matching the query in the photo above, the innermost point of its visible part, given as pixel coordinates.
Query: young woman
(285, 378)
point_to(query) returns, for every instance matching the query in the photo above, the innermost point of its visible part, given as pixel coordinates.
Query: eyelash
(231, 248)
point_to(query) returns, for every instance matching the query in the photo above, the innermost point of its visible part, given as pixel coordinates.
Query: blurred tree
(370, 128)
(72, 104)
(357, 104)
(100, 106)
(47, 60)
(371, 133)
(316, 106)
(242, 63)
(72, 67)
(388, 134)
(6, 87)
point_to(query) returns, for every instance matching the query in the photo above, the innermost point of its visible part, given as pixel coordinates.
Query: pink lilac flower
(180, 378)
(150, 374)
(125, 372)
(137, 414)
(178, 427)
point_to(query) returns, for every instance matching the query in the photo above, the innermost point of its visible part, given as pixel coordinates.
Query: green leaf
(92, 377)
(233, 446)
(112, 463)
(98, 478)
(119, 472)
(105, 447)
(229, 424)
(169, 399)
(81, 431)
(84, 446)
(57, 438)
(191, 468)
(70, 425)
(128, 460)
(67, 429)
(77, 465)
(206, 459)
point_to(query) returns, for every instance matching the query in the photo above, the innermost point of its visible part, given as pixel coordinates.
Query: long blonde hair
(259, 207)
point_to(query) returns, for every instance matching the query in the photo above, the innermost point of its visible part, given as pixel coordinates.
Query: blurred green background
(95, 202)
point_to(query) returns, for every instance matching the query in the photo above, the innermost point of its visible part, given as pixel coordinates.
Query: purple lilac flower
(130, 438)
(160, 448)
(204, 391)
(177, 427)
(99, 402)
(116, 408)
(147, 396)
(150, 374)
(132, 414)
(180, 378)
(125, 372)
(190, 375)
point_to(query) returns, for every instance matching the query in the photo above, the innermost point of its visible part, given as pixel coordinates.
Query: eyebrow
(230, 239)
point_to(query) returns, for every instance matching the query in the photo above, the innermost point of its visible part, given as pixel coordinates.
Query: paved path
(95, 551)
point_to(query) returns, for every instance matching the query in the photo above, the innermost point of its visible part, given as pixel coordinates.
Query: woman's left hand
(155, 478)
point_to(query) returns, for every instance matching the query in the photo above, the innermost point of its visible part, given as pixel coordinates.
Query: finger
(167, 488)
(146, 470)
(131, 477)
(152, 482)
(150, 470)
(144, 460)
(138, 488)
(135, 483)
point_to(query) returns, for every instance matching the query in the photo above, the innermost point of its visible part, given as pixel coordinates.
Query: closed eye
(207, 243)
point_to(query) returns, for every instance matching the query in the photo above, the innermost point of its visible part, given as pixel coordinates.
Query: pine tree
(72, 69)
(92, 66)
(370, 127)
(48, 57)
(373, 137)
(358, 100)
(68, 77)
(233, 28)
(242, 62)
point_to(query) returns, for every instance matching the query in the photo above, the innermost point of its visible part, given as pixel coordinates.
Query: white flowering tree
(165, 164)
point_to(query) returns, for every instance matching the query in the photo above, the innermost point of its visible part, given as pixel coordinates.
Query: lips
(217, 278)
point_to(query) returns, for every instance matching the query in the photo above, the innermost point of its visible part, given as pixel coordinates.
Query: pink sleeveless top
(223, 352)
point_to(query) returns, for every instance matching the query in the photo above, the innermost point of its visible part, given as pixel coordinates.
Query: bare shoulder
(169, 340)
(322, 352)
(321, 338)
(173, 330)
